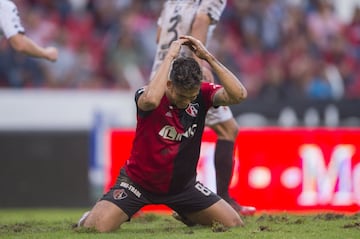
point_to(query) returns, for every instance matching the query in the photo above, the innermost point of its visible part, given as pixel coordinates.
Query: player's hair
(186, 73)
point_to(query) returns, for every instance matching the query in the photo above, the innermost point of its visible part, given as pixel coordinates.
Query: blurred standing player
(198, 18)
(11, 27)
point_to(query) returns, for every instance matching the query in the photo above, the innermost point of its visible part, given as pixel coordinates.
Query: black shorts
(131, 197)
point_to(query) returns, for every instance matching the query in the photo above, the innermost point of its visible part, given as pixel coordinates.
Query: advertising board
(278, 169)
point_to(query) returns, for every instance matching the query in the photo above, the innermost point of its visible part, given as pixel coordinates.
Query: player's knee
(235, 133)
(227, 130)
(233, 128)
(229, 135)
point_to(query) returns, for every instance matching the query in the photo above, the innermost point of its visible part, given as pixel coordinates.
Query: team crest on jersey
(192, 109)
(119, 194)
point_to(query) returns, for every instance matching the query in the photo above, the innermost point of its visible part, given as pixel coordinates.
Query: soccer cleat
(247, 210)
(241, 209)
(82, 219)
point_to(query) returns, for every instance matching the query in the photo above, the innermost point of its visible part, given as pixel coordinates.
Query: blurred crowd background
(281, 49)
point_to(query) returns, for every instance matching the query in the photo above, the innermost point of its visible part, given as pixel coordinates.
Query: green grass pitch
(57, 223)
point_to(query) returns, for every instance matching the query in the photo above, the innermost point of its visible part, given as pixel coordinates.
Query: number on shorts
(204, 190)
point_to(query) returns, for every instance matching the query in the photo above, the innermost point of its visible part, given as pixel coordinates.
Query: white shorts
(218, 115)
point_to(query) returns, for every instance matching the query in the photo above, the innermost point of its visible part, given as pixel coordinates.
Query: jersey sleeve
(9, 19)
(140, 112)
(208, 90)
(213, 8)
(138, 93)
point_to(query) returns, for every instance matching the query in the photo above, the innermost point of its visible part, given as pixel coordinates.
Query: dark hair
(186, 73)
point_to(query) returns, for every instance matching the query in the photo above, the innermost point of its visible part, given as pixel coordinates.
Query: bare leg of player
(227, 132)
(104, 217)
(220, 212)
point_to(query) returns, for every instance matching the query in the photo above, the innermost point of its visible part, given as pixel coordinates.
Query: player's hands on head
(196, 46)
(175, 47)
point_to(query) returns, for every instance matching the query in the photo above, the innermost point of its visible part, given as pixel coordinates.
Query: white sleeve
(213, 8)
(161, 17)
(9, 19)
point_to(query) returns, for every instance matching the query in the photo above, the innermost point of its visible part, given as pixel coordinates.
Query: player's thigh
(105, 216)
(220, 212)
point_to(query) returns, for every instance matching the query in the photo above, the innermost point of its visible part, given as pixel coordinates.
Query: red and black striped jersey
(167, 142)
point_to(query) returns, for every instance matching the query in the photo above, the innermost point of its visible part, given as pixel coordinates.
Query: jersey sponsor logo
(119, 194)
(131, 188)
(192, 109)
(169, 132)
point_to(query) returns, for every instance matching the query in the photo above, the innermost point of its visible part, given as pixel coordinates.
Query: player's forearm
(25, 45)
(234, 90)
(153, 93)
(158, 82)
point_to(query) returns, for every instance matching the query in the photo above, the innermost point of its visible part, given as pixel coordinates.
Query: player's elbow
(241, 96)
(148, 103)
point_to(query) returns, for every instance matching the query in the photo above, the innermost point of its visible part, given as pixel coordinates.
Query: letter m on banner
(326, 184)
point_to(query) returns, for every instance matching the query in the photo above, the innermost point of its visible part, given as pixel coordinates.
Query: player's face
(182, 98)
